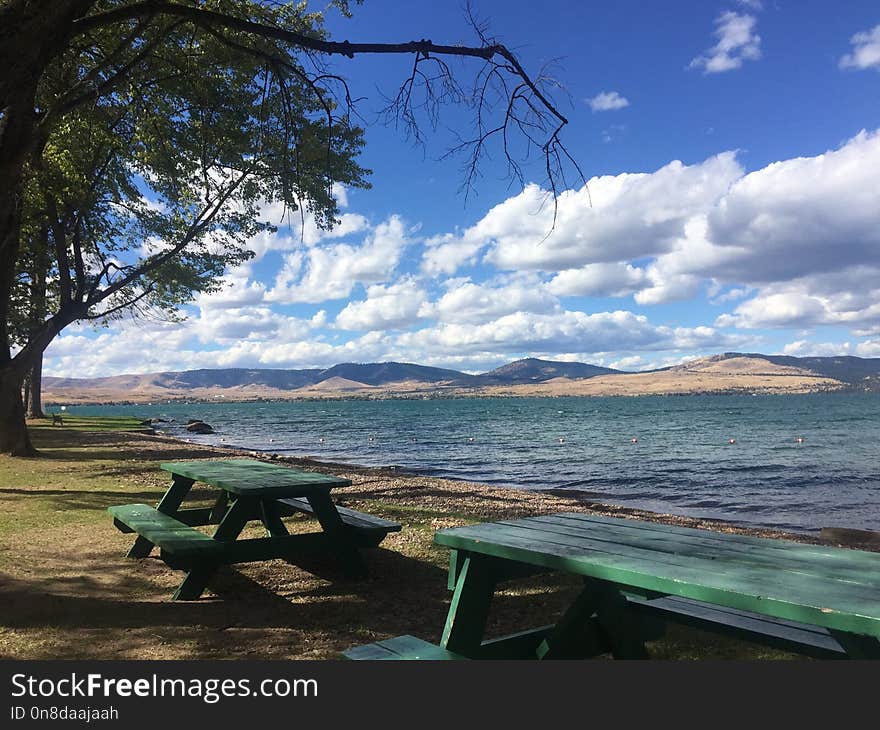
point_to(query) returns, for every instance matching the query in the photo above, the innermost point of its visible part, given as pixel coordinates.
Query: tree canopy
(139, 140)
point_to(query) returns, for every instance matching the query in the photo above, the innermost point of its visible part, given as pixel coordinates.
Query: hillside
(532, 370)
(723, 373)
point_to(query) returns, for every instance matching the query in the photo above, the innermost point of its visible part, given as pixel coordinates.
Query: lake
(681, 462)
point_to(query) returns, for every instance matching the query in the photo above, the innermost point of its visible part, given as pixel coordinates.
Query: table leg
(619, 625)
(230, 527)
(469, 609)
(339, 537)
(598, 621)
(271, 517)
(169, 504)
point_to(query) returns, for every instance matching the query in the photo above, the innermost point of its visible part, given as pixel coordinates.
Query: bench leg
(195, 583)
(340, 538)
(141, 548)
(857, 646)
(169, 504)
(469, 609)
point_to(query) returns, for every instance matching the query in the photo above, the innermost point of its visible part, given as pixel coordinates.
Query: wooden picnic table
(822, 600)
(248, 490)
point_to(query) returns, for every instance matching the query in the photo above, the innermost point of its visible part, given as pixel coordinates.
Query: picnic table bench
(247, 490)
(815, 600)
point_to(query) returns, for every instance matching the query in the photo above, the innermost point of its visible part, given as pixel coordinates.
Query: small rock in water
(199, 427)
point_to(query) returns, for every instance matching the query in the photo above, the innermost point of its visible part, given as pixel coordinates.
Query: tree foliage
(140, 138)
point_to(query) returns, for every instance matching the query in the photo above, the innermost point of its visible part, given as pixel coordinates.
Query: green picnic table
(816, 600)
(247, 490)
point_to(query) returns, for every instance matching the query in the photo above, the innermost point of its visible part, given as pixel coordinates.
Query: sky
(732, 157)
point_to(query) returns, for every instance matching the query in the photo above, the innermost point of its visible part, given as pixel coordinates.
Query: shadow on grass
(250, 613)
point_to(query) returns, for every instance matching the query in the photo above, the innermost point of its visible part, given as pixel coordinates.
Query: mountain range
(727, 372)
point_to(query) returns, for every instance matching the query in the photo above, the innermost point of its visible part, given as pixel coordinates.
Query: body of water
(682, 460)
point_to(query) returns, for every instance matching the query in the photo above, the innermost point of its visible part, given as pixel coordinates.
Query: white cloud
(322, 273)
(565, 331)
(870, 348)
(805, 348)
(606, 101)
(612, 218)
(465, 301)
(386, 307)
(848, 298)
(616, 279)
(865, 52)
(737, 43)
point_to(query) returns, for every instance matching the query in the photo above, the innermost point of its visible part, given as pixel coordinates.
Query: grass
(68, 592)
(89, 423)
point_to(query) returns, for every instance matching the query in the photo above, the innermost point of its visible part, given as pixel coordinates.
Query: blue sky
(733, 204)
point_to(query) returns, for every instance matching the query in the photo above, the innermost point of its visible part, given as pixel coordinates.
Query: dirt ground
(66, 591)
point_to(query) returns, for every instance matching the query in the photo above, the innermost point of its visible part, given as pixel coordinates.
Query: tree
(210, 106)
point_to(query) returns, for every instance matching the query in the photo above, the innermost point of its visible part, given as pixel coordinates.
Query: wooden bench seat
(401, 647)
(373, 529)
(777, 633)
(167, 533)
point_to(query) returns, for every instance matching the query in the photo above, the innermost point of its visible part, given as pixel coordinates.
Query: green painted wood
(255, 478)
(818, 598)
(776, 633)
(340, 539)
(168, 505)
(270, 514)
(194, 517)
(680, 553)
(227, 531)
(160, 529)
(520, 645)
(469, 608)
(401, 648)
(620, 628)
(352, 518)
(858, 566)
(455, 561)
(575, 635)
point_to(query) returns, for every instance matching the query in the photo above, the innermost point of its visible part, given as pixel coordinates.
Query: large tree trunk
(14, 437)
(31, 35)
(35, 386)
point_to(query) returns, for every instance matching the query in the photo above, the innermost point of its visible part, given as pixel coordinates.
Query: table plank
(824, 554)
(256, 478)
(725, 578)
(853, 568)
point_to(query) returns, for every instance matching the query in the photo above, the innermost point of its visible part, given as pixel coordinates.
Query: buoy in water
(470, 439)
(799, 439)
(731, 441)
(633, 440)
(561, 439)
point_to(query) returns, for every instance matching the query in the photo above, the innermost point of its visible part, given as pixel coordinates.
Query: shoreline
(571, 498)
(53, 402)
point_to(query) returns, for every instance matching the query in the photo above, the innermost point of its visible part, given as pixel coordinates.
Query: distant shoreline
(57, 402)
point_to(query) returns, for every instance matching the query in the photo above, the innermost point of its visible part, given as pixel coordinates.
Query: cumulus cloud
(737, 43)
(616, 279)
(612, 218)
(325, 272)
(466, 301)
(386, 307)
(805, 348)
(865, 50)
(564, 331)
(606, 101)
